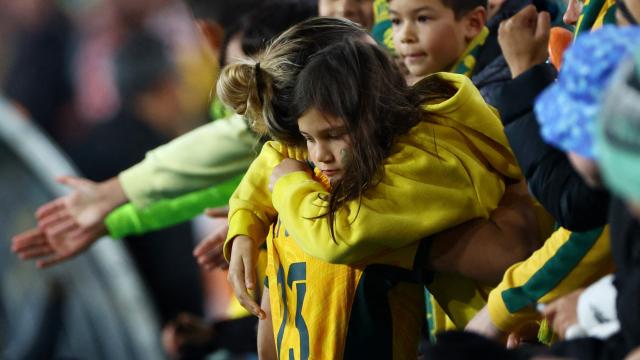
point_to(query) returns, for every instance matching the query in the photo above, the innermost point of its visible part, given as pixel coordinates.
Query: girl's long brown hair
(359, 83)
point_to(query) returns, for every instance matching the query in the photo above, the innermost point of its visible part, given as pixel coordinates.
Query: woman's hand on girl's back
(242, 273)
(285, 167)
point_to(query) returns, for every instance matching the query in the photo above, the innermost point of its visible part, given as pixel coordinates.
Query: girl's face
(327, 142)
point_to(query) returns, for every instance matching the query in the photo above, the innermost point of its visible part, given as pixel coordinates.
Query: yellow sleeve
(567, 261)
(250, 209)
(421, 193)
(450, 168)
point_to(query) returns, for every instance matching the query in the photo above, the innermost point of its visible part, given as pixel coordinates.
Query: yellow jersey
(331, 311)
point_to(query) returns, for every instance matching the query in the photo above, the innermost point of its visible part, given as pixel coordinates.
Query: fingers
(31, 244)
(237, 281)
(209, 253)
(241, 275)
(66, 225)
(55, 259)
(50, 208)
(543, 26)
(28, 238)
(526, 16)
(34, 252)
(213, 260)
(217, 212)
(513, 341)
(211, 242)
(71, 181)
(249, 273)
(203, 248)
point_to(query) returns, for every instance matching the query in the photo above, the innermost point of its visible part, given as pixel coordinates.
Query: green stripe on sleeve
(556, 269)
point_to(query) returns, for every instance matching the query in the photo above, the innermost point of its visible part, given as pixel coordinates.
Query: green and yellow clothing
(211, 154)
(567, 261)
(177, 181)
(448, 169)
(382, 30)
(129, 220)
(595, 14)
(331, 311)
(467, 61)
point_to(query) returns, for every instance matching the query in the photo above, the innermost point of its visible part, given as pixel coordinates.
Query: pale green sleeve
(211, 154)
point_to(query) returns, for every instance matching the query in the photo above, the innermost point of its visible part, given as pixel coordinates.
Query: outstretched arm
(70, 224)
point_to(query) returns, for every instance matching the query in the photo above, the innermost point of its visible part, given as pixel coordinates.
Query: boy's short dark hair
(462, 7)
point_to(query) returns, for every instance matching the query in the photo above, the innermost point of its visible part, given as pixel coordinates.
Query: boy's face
(426, 35)
(358, 11)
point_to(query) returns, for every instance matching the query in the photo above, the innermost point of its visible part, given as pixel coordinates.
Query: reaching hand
(210, 251)
(70, 224)
(242, 273)
(524, 39)
(50, 250)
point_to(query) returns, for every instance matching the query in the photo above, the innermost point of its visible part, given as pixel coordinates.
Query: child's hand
(242, 273)
(524, 39)
(285, 167)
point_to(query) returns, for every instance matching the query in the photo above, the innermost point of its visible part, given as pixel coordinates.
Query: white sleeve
(597, 308)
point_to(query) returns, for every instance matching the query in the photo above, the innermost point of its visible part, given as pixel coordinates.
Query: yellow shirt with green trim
(449, 168)
(332, 311)
(567, 261)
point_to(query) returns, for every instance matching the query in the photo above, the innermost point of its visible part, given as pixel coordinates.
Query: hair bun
(234, 84)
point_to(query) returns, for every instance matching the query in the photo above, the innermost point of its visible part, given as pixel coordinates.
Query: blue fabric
(567, 110)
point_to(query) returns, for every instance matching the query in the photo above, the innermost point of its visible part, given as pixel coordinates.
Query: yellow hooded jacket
(449, 168)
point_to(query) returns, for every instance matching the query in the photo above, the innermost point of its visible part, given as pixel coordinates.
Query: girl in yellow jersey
(363, 169)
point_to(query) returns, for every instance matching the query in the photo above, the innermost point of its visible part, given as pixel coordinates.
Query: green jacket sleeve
(130, 220)
(210, 154)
